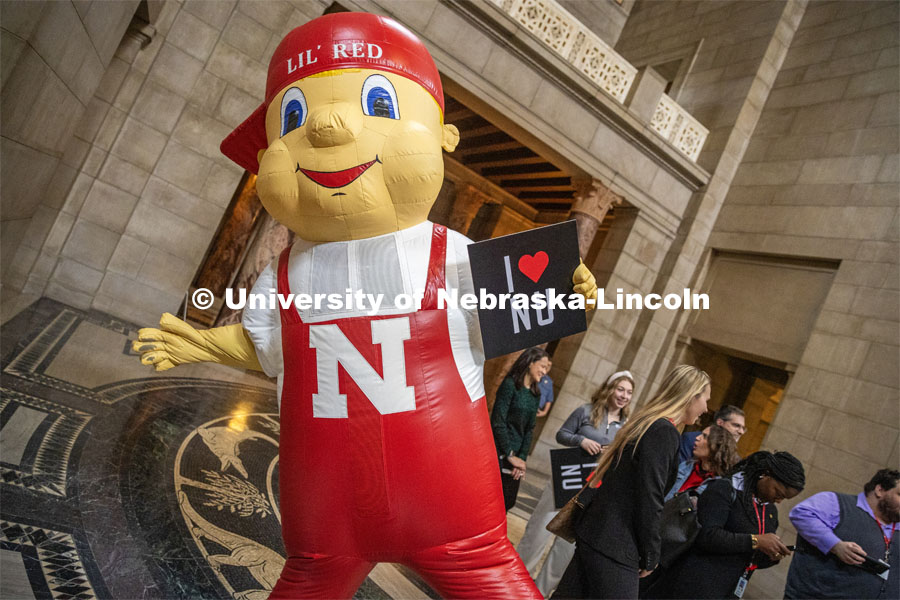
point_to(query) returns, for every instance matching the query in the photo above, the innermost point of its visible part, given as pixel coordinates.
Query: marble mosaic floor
(117, 482)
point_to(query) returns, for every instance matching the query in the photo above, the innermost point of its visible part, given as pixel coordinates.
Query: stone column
(592, 201)
(469, 200)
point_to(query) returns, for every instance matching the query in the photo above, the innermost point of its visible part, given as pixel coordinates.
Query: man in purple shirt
(835, 535)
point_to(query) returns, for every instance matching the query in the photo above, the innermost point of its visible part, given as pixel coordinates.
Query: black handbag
(679, 527)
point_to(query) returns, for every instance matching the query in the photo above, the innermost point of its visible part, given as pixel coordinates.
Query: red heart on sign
(533, 266)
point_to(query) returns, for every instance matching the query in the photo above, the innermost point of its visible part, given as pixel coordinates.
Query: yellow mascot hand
(586, 285)
(177, 343)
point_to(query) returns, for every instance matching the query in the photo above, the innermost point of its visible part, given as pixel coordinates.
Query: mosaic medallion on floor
(118, 482)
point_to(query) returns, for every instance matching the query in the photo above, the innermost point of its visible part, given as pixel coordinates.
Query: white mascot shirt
(391, 264)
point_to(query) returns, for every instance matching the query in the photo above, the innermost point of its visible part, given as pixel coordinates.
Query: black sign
(534, 266)
(569, 468)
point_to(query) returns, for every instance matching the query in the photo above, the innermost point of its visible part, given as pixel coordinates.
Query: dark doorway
(742, 381)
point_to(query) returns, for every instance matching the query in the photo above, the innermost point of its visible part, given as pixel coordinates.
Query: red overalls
(418, 487)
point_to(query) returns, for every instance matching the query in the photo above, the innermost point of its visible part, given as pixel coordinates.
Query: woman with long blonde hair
(617, 538)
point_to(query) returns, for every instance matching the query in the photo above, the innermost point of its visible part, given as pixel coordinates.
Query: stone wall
(820, 179)
(151, 183)
(654, 29)
(724, 58)
(54, 57)
(606, 18)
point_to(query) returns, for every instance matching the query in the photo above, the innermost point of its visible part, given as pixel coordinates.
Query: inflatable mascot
(386, 449)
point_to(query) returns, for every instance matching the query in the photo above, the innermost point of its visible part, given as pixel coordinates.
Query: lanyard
(887, 540)
(760, 521)
(748, 571)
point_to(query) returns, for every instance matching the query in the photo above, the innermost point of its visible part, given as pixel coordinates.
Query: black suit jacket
(723, 548)
(622, 519)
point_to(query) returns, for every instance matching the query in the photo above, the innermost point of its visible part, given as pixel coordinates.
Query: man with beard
(839, 535)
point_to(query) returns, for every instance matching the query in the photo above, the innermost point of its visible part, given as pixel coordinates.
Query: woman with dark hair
(738, 521)
(617, 540)
(592, 427)
(715, 454)
(513, 417)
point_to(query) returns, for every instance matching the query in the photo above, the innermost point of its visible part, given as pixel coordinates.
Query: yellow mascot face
(353, 153)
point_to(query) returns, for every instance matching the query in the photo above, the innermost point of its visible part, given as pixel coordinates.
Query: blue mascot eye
(379, 103)
(293, 110)
(379, 99)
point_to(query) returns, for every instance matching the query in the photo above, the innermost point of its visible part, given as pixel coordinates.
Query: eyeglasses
(740, 426)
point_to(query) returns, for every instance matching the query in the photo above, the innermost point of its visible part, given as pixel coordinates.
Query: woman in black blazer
(738, 521)
(617, 539)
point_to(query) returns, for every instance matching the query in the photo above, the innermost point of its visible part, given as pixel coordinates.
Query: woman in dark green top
(513, 417)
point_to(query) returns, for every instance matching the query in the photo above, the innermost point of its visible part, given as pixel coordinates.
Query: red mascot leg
(481, 567)
(319, 576)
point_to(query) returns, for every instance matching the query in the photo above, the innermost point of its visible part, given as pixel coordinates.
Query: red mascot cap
(335, 41)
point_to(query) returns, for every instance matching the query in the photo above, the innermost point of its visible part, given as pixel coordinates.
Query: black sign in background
(569, 468)
(489, 271)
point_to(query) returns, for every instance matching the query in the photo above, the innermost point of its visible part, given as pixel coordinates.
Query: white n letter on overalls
(388, 395)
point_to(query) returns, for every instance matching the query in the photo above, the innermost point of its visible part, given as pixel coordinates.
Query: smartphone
(874, 565)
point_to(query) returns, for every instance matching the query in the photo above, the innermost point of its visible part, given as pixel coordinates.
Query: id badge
(741, 586)
(885, 574)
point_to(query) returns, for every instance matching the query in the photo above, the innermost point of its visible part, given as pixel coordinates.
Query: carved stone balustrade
(568, 37)
(682, 130)
(571, 39)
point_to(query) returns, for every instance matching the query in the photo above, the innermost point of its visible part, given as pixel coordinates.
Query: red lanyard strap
(759, 519)
(887, 540)
(761, 527)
